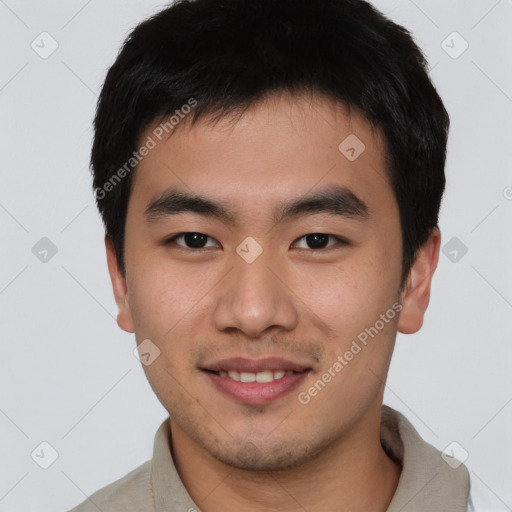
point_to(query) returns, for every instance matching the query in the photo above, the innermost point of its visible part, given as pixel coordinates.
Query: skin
(294, 300)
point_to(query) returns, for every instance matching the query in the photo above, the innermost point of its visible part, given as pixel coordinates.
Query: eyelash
(172, 240)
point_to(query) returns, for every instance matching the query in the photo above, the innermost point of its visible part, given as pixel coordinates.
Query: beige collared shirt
(427, 482)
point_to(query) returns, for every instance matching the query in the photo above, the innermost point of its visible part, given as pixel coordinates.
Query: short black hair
(225, 55)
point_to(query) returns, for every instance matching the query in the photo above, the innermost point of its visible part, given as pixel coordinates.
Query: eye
(192, 239)
(320, 240)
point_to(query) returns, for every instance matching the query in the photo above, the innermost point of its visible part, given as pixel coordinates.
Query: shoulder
(482, 499)
(131, 493)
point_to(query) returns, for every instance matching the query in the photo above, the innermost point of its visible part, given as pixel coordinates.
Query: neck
(352, 473)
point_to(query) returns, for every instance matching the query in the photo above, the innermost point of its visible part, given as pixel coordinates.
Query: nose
(254, 297)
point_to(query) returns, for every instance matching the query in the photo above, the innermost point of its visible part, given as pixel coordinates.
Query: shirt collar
(169, 493)
(427, 482)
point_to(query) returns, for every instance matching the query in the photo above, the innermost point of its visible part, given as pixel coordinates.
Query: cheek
(162, 298)
(348, 296)
(350, 300)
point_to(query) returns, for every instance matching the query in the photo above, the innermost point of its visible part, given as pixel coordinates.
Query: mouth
(261, 377)
(255, 382)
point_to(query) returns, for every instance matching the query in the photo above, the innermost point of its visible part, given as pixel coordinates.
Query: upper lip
(243, 364)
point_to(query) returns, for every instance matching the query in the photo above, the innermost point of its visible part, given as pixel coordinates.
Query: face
(289, 281)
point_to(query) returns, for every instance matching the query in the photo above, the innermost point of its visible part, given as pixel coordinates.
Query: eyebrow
(334, 200)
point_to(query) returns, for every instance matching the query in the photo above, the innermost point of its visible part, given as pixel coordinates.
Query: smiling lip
(286, 376)
(242, 364)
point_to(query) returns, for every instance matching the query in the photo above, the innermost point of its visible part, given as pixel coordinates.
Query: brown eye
(192, 240)
(320, 241)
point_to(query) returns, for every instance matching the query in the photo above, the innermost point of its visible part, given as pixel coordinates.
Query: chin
(249, 457)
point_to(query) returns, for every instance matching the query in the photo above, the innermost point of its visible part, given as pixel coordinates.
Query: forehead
(284, 145)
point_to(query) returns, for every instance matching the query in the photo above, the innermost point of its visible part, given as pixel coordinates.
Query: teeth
(266, 376)
(234, 376)
(247, 377)
(262, 377)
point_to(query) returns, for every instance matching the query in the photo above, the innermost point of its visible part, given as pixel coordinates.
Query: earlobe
(416, 294)
(119, 286)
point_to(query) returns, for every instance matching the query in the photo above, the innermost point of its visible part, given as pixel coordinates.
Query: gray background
(68, 376)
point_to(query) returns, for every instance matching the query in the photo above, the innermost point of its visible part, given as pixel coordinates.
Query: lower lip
(256, 393)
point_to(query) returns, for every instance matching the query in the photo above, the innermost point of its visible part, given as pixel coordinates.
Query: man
(270, 174)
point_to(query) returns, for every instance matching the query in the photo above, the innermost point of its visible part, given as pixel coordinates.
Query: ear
(416, 293)
(124, 316)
